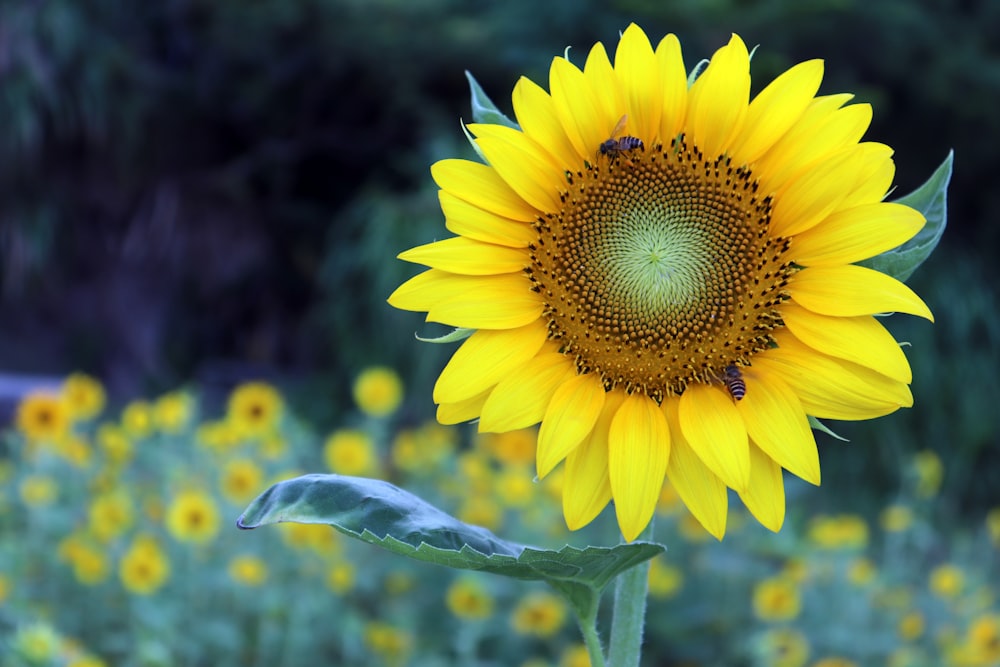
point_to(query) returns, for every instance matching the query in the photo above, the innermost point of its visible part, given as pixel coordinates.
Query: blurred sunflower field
(201, 204)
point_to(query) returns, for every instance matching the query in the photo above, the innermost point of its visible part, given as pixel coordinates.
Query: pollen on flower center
(659, 270)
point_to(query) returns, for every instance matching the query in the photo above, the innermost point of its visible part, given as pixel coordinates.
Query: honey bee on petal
(617, 145)
(735, 384)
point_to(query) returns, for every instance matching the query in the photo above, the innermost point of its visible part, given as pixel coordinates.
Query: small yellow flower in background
(896, 518)
(273, 447)
(144, 568)
(390, 643)
(861, 571)
(38, 490)
(834, 661)
(351, 452)
(784, 647)
(575, 656)
(172, 412)
(423, 450)
(341, 576)
(74, 450)
(776, 599)
(110, 515)
(468, 599)
(137, 419)
(86, 661)
(929, 473)
(982, 641)
(89, 563)
(911, 626)
(37, 643)
(539, 615)
(665, 580)
(313, 537)
(993, 526)
(248, 570)
(481, 510)
(114, 444)
(42, 417)
(618, 296)
(797, 570)
(193, 517)
(398, 582)
(241, 480)
(670, 502)
(84, 396)
(946, 581)
(514, 486)
(514, 448)
(219, 435)
(844, 531)
(378, 391)
(255, 408)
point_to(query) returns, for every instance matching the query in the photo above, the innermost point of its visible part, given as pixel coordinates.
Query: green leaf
(820, 426)
(483, 109)
(931, 199)
(384, 515)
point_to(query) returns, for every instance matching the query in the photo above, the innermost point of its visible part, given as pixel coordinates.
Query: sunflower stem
(591, 639)
(629, 613)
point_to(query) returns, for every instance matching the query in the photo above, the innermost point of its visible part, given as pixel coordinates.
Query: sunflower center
(659, 269)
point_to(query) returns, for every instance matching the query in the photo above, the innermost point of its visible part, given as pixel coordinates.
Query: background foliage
(207, 192)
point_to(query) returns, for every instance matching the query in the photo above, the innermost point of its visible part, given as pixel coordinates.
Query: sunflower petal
(485, 358)
(638, 451)
(579, 108)
(537, 116)
(526, 167)
(718, 99)
(777, 108)
(846, 291)
(475, 302)
(713, 427)
(857, 233)
(814, 193)
(701, 490)
(569, 419)
(472, 222)
(462, 411)
(776, 421)
(860, 339)
(675, 87)
(638, 72)
(765, 494)
(586, 484)
(464, 256)
(601, 76)
(481, 185)
(520, 399)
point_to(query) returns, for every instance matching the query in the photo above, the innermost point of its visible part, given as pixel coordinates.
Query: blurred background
(198, 194)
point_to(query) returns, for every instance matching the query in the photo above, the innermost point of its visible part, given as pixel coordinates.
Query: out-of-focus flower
(929, 473)
(110, 514)
(172, 412)
(911, 626)
(896, 518)
(341, 576)
(539, 615)
(482, 511)
(137, 419)
(783, 647)
(115, 445)
(665, 580)
(515, 448)
(37, 643)
(844, 531)
(575, 656)
(946, 581)
(241, 480)
(144, 568)
(84, 396)
(468, 599)
(193, 517)
(776, 599)
(351, 452)
(514, 487)
(993, 526)
(38, 490)
(378, 391)
(255, 408)
(248, 570)
(393, 645)
(861, 571)
(42, 417)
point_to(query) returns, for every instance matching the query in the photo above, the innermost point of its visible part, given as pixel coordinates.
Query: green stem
(629, 614)
(588, 626)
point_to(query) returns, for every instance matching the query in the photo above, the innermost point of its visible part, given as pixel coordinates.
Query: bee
(616, 145)
(735, 384)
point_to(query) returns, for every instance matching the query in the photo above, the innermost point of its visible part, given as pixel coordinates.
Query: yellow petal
(638, 72)
(536, 113)
(586, 484)
(579, 107)
(846, 291)
(814, 193)
(701, 490)
(831, 388)
(675, 88)
(718, 99)
(569, 418)
(600, 75)
(485, 358)
(467, 257)
(462, 411)
(857, 233)
(875, 171)
(776, 108)
(638, 451)
(522, 164)
(520, 400)
(713, 427)
(776, 421)
(826, 128)
(765, 494)
(860, 339)
(481, 186)
(470, 221)
(487, 302)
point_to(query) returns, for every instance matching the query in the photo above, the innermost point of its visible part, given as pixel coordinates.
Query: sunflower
(662, 274)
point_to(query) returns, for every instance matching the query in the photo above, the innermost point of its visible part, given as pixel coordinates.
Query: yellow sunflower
(663, 276)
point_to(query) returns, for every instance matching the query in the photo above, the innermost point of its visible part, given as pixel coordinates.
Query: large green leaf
(379, 513)
(931, 199)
